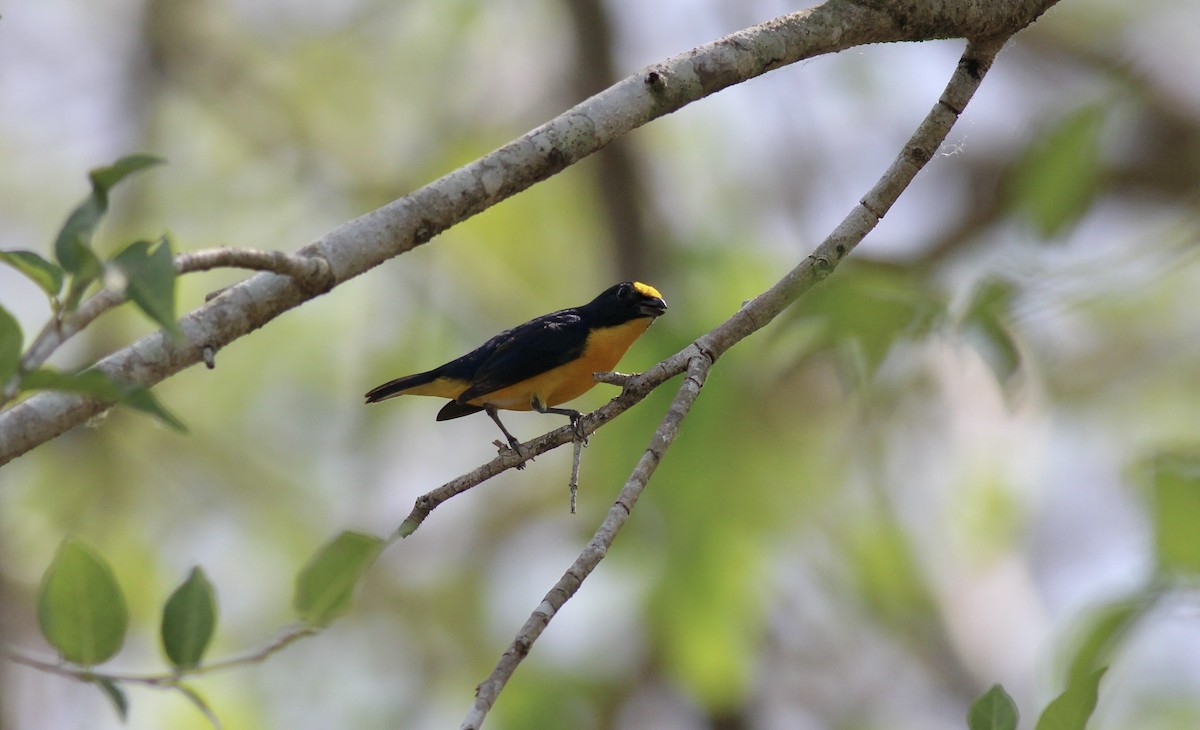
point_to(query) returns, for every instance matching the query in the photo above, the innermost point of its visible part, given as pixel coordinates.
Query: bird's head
(636, 299)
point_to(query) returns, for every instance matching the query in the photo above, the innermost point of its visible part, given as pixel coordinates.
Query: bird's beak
(652, 307)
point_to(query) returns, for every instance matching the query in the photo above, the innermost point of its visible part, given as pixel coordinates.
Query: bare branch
(576, 459)
(309, 271)
(166, 679)
(614, 378)
(700, 356)
(368, 241)
(597, 548)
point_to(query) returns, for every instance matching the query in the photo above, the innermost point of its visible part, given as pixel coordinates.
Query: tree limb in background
(404, 224)
(703, 353)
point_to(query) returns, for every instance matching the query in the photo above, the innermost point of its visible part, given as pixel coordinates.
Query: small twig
(568, 584)
(574, 484)
(57, 331)
(310, 271)
(613, 378)
(166, 679)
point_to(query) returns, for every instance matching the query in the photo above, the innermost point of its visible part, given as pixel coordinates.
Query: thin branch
(165, 679)
(701, 355)
(576, 459)
(597, 548)
(57, 331)
(308, 271)
(614, 378)
(400, 226)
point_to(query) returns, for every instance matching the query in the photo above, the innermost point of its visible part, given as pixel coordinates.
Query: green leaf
(200, 704)
(1058, 176)
(1175, 508)
(115, 695)
(188, 621)
(985, 326)
(996, 345)
(10, 346)
(1071, 709)
(993, 710)
(89, 382)
(141, 399)
(1105, 628)
(81, 610)
(97, 385)
(149, 273)
(105, 178)
(868, 308)
(326, 584)
(46, 274)
(73, 246)
(886, 573)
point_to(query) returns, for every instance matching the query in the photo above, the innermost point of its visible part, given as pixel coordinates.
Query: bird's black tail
(407, 384)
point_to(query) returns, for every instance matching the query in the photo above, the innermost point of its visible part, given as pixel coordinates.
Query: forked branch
(404, 224)
(699, 357)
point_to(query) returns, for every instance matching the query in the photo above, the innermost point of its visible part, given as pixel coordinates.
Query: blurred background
(925, 478)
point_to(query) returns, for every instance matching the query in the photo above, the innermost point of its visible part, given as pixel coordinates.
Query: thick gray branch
(369, 240)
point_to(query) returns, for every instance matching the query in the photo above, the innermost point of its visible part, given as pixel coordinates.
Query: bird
(540, 364)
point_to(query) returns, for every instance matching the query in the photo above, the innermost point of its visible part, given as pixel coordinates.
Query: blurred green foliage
(1175, 508)
(1054, 182)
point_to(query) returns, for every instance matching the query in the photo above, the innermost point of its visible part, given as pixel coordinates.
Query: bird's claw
(513, 446)
(577, 429)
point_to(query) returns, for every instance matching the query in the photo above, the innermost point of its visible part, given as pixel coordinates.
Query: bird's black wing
(527, 350)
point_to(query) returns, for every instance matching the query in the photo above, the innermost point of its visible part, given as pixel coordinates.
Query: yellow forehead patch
(646, 290)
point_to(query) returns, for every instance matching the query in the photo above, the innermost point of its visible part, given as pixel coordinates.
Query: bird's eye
(625, 291)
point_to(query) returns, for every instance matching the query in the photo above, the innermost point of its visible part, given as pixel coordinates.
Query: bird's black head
(629, 300)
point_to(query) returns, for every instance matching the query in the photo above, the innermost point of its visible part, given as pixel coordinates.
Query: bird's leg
(512, 441)
(571, 413)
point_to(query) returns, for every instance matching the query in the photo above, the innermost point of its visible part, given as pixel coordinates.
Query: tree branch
(165, 679)
(400, 226)
(309, 272)
(699, 357)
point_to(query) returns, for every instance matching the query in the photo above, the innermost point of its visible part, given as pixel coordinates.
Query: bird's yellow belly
(604, 350)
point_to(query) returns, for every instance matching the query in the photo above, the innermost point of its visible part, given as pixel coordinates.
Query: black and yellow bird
(539, 364)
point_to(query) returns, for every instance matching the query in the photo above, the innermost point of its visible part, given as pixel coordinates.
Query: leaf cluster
(82, 613)
(142, 271)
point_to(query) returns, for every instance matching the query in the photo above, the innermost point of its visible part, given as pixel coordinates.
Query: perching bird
(539, 364)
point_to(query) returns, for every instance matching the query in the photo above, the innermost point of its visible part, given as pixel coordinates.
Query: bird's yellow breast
(604, 348)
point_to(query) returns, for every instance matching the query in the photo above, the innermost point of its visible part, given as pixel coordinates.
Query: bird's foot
(577, 429)
(514, 446)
